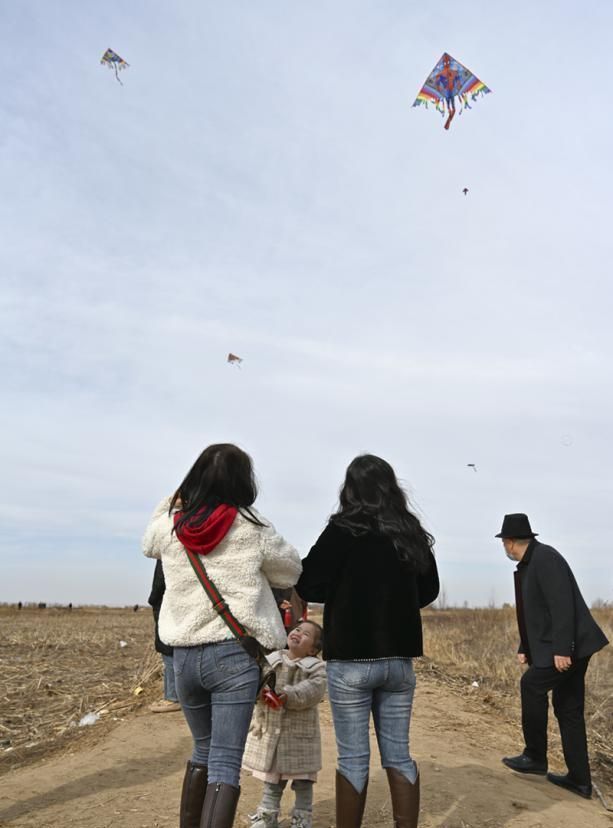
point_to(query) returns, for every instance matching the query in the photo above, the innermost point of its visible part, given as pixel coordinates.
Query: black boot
(349, 803)
(219, 805)
(405, 799)
(192, 795)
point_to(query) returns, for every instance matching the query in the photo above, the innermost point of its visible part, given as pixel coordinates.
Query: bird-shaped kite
(234, 360)
(447, 81)
(113, 61)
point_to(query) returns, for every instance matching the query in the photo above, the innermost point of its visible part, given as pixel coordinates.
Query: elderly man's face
(511, 550)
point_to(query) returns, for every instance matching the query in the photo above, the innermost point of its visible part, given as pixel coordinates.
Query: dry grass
(56, 666)
(463, 646)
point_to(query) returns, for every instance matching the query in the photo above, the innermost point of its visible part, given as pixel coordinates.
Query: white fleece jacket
(244, 566)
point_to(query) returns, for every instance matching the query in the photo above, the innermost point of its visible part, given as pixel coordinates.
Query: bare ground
(131, 777)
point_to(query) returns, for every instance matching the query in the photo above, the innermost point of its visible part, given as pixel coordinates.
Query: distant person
(284, 742)
(557, 638)
(170, 702)
(291, 606)
(282, 597)
(211, 515)
(19, 606)
(373, 569)
(135, 607)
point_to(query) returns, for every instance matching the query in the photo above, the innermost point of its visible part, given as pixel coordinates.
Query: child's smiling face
(303, 640)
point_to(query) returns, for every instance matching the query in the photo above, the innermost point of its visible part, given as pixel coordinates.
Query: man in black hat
(557, 637)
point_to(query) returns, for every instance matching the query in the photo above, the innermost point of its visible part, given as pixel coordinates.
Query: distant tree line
(443, 603)
(42, 605)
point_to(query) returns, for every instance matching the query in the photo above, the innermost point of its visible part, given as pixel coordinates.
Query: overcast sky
(260, 184)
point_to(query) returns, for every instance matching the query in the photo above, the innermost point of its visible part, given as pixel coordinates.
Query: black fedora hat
(516, 526)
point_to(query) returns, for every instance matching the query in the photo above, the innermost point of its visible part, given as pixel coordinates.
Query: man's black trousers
(568, 697)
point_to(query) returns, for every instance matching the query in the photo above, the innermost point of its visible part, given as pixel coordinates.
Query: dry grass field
(56, 666)
(463, 646)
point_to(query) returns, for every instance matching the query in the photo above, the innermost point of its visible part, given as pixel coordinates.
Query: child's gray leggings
(273, 791)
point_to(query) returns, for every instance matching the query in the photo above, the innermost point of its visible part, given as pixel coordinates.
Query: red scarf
(204, 538)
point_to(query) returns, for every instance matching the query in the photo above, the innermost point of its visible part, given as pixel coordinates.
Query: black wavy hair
(222, 474)
(372, 500)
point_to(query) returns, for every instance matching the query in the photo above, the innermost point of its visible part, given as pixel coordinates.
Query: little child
(284, 741)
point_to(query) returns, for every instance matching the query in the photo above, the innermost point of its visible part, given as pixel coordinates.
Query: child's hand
(272, 699)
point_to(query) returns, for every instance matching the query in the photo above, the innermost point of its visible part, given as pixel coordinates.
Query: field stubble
(56, 666)
(463, 646)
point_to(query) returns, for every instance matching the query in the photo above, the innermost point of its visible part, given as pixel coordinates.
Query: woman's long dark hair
(371, 500)
(222, 474)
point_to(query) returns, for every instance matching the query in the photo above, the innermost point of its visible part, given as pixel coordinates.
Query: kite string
(117, 74)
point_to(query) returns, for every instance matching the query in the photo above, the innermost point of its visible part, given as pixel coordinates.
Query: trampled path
(132, 778)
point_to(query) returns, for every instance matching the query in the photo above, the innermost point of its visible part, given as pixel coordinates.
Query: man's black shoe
(524, 764)
(564, 782)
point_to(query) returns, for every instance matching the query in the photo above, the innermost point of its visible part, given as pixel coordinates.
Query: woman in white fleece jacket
(210, 514)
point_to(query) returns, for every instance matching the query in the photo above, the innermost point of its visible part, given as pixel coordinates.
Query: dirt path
(132, 778)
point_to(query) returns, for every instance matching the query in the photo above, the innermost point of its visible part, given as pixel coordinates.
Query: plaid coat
(288, 740)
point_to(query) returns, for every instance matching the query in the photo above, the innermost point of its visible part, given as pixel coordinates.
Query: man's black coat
(553, 617)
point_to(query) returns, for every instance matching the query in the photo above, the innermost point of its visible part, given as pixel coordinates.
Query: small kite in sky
(465, 190)
(472, 466)
(234, 360)
(447, 81)
(113, 61)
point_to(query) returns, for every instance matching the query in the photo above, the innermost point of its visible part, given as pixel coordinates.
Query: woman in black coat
(373, 569)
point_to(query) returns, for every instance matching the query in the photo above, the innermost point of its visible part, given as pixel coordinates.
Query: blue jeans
(170, 691)
(217, 686)
(386, 688)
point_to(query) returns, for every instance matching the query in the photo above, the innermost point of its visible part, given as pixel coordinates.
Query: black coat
(372, 599)
(556, 620)
(158, 588)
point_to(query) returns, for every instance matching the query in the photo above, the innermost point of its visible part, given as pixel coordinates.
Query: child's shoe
(301, 819)
(264, 819)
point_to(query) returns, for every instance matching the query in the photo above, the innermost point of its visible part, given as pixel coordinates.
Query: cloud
(261, 185)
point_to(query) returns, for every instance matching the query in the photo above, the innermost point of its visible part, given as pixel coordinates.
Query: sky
(261, 184)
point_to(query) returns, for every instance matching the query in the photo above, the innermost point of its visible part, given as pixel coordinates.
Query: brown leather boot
(349, 803)
(192, 795)
(405, 799)
(219, 805)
